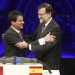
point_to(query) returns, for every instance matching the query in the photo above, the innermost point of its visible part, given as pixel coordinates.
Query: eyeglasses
(41, 14)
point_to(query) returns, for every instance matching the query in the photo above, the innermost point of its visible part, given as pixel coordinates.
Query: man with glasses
(47, 52)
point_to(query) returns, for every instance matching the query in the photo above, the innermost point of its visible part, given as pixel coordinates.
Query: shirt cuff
(41, 41)
(29, 46)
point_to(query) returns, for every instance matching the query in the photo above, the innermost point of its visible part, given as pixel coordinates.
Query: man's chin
(21, 28)
(41, 21)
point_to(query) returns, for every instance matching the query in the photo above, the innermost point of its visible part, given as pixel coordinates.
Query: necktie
(43, 28)
(20, 35)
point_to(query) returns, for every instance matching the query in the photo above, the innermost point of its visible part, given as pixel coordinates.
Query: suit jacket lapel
(46, 31)
(39, 31)
(16, 34)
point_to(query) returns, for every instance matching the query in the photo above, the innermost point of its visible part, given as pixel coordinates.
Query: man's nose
(22, 22)
(39, 16)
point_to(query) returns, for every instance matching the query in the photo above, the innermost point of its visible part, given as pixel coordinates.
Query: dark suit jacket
(49, 53)
(10, 39)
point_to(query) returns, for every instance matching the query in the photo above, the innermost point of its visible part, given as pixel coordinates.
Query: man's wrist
(41, 41)
(27, 46)
(45, 39)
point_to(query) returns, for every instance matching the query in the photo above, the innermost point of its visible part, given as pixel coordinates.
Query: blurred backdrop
(63, 14)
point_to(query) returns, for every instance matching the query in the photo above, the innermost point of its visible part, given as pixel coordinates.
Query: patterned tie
(43, 28)
(20, 35)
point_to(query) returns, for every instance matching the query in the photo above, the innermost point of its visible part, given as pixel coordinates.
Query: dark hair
(47, 6)
(12, 16)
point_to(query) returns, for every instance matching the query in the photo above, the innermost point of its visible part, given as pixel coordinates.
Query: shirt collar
(15, 29)
(48, 22)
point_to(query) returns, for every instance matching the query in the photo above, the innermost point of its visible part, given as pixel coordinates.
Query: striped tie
(20, 35)
(43, 28)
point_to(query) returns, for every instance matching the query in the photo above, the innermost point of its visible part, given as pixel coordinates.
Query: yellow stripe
(35, 70)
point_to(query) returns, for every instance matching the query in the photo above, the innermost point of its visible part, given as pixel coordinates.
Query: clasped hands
(47, 38)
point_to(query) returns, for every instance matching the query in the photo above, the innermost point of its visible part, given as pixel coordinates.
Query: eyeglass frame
(41, 14)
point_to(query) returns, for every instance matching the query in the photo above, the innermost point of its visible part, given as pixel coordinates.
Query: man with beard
(47, 52)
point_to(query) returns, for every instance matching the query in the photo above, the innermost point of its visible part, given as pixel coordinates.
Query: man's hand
(49, 38)
(22, 45)
(3, 36)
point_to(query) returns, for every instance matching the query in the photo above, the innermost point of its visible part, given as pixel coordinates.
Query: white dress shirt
(15, 29)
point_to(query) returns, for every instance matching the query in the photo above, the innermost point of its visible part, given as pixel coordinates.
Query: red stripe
(35, 74)
(1, 70)
(35, 67)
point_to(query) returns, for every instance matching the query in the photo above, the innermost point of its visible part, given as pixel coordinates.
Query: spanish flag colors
(1, 70)
(35, 70)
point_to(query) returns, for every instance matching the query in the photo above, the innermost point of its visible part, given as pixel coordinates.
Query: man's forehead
(41, 10)
(19, 17)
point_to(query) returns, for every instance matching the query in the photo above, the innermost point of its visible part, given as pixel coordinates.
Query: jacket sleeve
(48, 45)
(31, 38)
(12, 38)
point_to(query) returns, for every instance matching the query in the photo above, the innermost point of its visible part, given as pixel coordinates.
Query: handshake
(47, 38)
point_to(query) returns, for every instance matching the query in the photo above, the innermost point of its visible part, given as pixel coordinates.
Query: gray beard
(43, 23)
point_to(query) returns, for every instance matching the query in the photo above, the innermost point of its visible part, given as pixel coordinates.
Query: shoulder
(55, 24)
(10, 31)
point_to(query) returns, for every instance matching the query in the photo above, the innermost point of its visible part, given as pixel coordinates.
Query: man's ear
(12, 22)
(49, 14)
